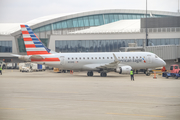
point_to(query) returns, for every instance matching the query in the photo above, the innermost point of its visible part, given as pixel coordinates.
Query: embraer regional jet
(104, 62)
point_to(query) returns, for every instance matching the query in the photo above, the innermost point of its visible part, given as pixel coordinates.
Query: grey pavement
(63, 96)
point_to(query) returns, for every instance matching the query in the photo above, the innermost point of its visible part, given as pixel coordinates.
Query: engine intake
(123, 69)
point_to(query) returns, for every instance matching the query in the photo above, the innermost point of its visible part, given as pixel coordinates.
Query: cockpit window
(156, 56)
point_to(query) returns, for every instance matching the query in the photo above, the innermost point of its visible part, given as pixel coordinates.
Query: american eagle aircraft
(104, 62)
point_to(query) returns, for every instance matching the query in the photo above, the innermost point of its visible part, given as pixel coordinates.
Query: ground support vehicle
(174, 72)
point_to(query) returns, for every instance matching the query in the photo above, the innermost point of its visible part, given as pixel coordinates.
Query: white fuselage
(90, 61)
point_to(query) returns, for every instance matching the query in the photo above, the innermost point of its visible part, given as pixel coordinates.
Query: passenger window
(126, 57)
(136, 56)
(72, 58)
(87, 57)
(103, 57)
(140, 56)
(122, 57)
(133, 57)
(76, 58)
(99, 57)
(111, 57)
(68, 58)
(95, 57)
(130, 57)
(92, 58)
(118, 57)
(80, 58)
(83, 57)
(107, 57)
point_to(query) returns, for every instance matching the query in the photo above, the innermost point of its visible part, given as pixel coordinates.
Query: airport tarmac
(63, 96)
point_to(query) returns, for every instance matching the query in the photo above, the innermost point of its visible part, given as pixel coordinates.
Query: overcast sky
(19, 11)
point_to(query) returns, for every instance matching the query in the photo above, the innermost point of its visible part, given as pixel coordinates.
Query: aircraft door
(61, 60)
(149, 59)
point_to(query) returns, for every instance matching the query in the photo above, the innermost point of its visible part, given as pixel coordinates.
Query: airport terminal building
(110, 30)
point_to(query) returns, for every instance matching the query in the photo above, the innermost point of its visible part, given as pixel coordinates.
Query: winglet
(115, 58)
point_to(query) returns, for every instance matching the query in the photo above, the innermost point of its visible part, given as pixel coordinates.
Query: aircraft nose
(163, 62)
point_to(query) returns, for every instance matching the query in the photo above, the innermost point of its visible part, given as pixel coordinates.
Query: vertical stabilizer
(33, 44)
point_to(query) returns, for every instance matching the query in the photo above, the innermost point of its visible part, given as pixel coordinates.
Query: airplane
(101, 62)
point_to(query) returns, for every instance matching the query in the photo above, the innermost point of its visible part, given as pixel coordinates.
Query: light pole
(146, 26)
(178, 6)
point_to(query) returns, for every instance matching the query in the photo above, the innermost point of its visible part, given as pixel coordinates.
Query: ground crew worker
(132, 75)
(0, 69)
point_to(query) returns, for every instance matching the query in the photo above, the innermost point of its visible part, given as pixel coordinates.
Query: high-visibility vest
(131, 72)
(0, 68)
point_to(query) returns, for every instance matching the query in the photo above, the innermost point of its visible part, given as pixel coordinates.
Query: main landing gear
(103, 74)
(90, 73)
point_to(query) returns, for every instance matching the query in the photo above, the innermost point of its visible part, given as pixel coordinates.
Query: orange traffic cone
(71, 71)
(155, 75)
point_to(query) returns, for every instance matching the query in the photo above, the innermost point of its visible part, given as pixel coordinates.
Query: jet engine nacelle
(24, 58)
(123, 69)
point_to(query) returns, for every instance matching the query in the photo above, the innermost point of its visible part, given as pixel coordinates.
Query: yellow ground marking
(12, 109)
(135, 115)
(160, 96)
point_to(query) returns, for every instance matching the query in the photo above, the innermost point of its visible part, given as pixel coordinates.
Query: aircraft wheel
(103, 74)
(147, 74)
(176, 77)
(167, 77)
(89, 73)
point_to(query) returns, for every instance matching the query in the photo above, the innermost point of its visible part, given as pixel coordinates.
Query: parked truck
(174, 72)
(25, 67)
(28, 67)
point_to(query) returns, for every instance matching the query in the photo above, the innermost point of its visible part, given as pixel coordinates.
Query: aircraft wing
(112, 65)
(106, 66)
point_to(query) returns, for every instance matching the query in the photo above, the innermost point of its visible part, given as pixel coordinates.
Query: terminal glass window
(69, 24)
(59, 25)
(21, 45)
(64, 24)
(116, 17)
(106, 19)
(54, 26)
(104, 45)
(96, 20)
(48, 27)
(125, 16)
(91, 20)
(80, 22)
(86, 21)
(101, 20)
(121, 17)
(6, 46)
(75, 23)
(42, 29)
(111, 18)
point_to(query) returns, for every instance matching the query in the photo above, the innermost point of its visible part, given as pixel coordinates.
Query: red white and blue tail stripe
(37, 51)
(33, 44)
